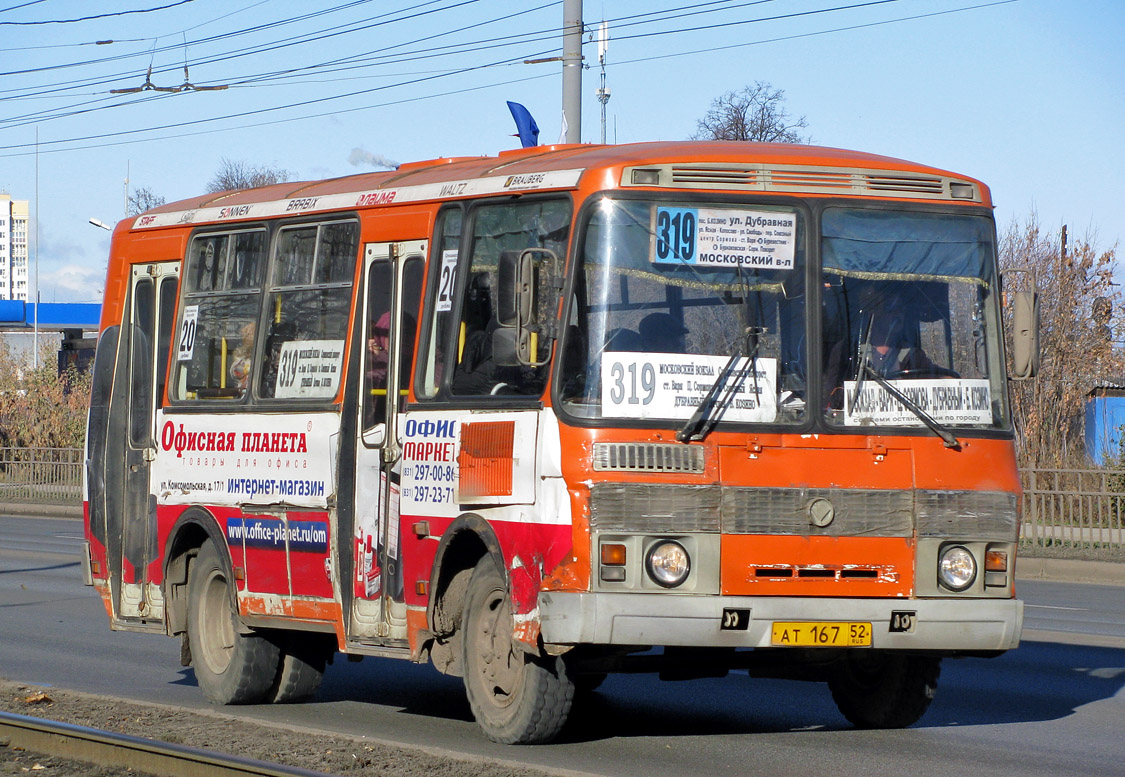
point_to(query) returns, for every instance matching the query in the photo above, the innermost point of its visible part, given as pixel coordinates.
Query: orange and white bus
(676, 407)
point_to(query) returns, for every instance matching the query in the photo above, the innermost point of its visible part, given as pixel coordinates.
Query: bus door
(142, 364)
(392, 293)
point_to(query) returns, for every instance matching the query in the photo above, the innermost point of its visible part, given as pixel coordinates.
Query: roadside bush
(40, 408)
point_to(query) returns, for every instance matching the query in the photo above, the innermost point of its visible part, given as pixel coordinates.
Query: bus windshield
(675, 297)
(910, 307)
(682, 304)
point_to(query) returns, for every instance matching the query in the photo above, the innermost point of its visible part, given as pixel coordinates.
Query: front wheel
(231, 667)
(876, 689)
(516, 697)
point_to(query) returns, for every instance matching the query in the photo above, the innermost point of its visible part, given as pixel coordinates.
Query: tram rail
(109, 749)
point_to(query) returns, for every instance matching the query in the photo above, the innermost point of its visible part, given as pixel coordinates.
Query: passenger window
(214, 343)
(543, 224)
(444, 261)
(381, 330)
(307, 309)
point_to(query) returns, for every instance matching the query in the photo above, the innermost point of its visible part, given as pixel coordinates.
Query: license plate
(821, 634)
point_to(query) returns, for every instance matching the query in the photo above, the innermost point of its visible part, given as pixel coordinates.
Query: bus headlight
(668, 564)
(957, 569)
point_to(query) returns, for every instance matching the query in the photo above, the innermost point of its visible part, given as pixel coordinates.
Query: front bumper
(697, 621)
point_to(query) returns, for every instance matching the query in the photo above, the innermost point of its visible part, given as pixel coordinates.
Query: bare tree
(755, 112)
(143, 198)
(1080, 315)
(234, 174)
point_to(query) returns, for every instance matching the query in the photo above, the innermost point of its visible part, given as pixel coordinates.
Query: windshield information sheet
(947, 401)
(666, 385)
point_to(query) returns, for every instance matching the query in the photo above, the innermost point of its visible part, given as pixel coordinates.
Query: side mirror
(1025, 335)
(514, 296)
(519, 278)
(511, 347)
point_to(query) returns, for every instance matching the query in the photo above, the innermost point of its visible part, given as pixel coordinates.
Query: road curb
(1070, 570)
(40, 510)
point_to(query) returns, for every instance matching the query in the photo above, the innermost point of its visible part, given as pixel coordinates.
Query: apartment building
(13, 248)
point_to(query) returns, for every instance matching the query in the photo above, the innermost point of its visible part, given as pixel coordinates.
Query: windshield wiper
(864, 358)
(712, 407)
(934, 426)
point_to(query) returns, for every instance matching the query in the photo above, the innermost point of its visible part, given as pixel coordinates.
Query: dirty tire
(516, 697)
(230, 667)
(303, 658)
(882, 690)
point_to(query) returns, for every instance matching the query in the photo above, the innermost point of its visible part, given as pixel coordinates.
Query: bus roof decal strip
(519, 182)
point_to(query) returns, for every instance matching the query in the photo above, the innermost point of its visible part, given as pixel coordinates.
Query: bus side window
(310, 296)
(443, 261)
(213, 346)
(499, 227)
(381, 329)
(378, 352)
(168, 290)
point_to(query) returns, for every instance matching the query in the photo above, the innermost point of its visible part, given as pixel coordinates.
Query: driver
(892, 351)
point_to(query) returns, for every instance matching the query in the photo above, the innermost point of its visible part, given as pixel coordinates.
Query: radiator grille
(648, 457)
(643, 507)
(858, 513)
(972, 515)
(636, 507)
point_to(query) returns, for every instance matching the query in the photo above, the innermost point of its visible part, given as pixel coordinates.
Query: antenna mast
(603, 47)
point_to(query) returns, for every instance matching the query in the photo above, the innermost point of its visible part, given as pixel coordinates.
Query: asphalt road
(1054, 706)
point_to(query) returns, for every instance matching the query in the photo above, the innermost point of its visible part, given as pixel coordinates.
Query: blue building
(1105, 418)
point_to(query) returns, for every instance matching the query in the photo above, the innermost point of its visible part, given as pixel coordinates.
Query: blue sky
(1028, 95)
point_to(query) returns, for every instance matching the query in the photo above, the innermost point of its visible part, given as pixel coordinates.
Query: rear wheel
(883, 690)
(231, 667)
(516, 697)
(303, 658)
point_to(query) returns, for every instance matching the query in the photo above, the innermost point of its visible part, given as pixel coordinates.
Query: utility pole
(572, 70)
(35, 347)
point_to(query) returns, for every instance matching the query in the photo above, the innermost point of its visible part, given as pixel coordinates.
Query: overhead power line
(549, 33)
(244, 79)
(443, 74)
(91, 18)
(245, 31)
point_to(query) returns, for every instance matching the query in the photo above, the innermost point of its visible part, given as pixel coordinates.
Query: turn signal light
(996, 561)
(613, 555)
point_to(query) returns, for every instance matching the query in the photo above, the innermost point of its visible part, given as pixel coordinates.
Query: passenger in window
(378, 351)
(661, 333)
(242, 357)
(378, 361)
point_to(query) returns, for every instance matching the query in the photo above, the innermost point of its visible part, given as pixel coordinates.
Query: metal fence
(1076, 508)
(41, 475)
